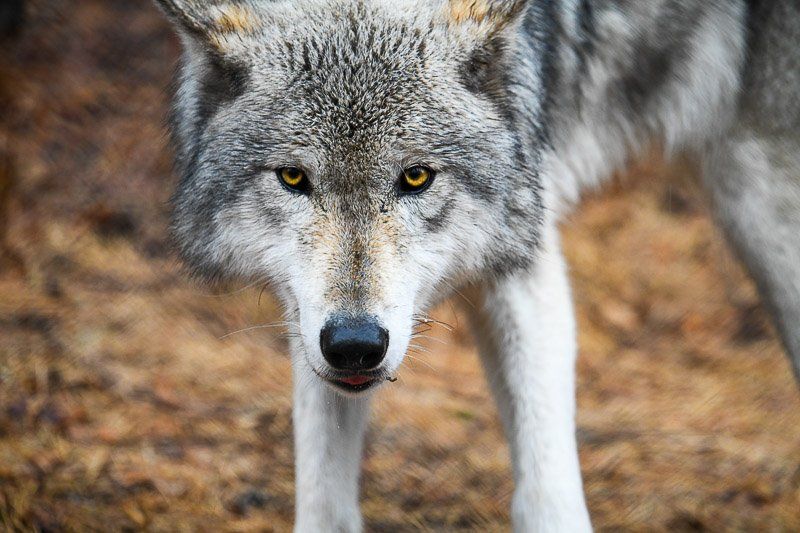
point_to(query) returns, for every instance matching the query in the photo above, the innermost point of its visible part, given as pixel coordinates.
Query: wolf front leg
(526, 333)
(328, 433)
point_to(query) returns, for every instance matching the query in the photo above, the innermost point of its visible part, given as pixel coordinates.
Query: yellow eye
(416, 179)
(293, 178)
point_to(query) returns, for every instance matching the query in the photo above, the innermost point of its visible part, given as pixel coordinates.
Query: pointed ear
(490, 16)
(212, 20)
(491, 25)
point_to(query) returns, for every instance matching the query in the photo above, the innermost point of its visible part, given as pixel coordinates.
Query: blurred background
(130, 400)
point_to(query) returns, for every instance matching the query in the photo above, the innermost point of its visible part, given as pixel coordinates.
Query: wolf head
(364, 157)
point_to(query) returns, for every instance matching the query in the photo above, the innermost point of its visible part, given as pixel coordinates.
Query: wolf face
(361, 157)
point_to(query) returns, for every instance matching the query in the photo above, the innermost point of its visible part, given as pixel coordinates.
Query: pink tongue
(356, 380)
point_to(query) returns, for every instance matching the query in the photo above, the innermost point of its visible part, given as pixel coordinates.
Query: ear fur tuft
(492, 14)
(235, 18)
(211, 20)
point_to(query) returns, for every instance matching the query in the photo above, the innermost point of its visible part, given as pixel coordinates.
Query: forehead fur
(341, 72)
(356, 71)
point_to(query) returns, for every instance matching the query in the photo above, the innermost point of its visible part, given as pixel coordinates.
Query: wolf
(367, 158)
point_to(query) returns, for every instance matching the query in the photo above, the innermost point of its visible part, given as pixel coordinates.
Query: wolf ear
(489, 15)
(211, 20)
(489, 22)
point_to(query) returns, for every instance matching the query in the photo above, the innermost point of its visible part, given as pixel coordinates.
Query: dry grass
(121, 408)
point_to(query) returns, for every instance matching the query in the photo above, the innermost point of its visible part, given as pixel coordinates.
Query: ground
(125, 404)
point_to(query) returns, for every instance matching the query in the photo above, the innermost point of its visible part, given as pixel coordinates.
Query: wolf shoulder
(674, 73)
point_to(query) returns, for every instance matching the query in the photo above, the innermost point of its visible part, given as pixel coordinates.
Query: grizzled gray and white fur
(368, 157)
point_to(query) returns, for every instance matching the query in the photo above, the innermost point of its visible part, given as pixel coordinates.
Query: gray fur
(354, 98)
(360, 88)
(519, 107)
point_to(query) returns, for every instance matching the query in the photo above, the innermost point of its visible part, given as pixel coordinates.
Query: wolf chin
(367, 158)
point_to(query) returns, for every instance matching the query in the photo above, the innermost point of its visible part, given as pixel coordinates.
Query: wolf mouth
(353, 382)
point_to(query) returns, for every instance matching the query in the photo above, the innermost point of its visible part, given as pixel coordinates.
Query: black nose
(353, 343)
